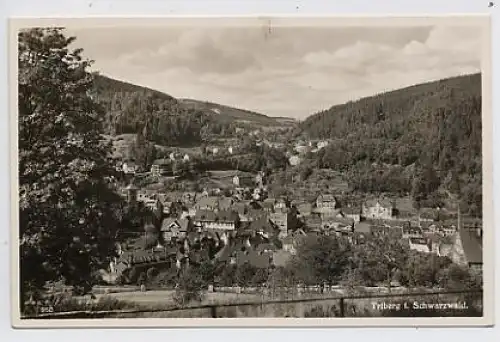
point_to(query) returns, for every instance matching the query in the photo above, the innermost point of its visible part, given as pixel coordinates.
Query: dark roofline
(472, 246)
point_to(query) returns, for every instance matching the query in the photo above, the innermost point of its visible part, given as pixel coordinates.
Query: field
(326, 306)
(164, 298)
(129, 302)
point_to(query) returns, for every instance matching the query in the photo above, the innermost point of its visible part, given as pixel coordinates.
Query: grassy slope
(236, 114)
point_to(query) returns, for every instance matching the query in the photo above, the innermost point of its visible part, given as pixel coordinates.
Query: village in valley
(247, 220)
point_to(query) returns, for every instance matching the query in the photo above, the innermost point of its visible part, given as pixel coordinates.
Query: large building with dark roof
(467, 248)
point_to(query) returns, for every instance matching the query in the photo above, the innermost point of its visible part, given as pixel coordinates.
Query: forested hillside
(160, 117)
(166, 120)
(424, 140)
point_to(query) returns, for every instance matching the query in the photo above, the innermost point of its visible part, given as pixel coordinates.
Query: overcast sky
(291, 72)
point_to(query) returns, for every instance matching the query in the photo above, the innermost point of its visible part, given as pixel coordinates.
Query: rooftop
(384, 202)
(351, 210)
(210, 201)
(362, 227)
(326, 198)
(472, 245)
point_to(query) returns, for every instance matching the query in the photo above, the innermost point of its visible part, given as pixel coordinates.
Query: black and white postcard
(328, 171)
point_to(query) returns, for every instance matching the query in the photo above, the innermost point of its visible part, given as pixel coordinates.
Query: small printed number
(47, 309)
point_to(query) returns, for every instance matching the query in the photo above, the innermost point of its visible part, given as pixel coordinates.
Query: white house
(186, 157)
(327, 202)
(222, 220)
(420, 245)
(129, 168)
(230, 150)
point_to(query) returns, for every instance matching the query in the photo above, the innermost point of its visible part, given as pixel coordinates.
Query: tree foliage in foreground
(190, 287)
(69, 212)
(333, 260)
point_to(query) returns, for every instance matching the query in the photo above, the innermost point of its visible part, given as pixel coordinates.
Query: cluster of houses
(164, 165)
(301, 148)
(159, 167)
(266, 231)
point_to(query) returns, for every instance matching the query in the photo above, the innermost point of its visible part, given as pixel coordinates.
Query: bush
(121, 280)
(189, 288)
(142, 279)
(456, 277)
(166, 278)
(151, 273)
(132, 276)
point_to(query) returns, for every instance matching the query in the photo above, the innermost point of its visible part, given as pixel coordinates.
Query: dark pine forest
(162, 119)
(424, 140)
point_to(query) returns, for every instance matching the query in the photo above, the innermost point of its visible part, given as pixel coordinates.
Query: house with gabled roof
(382, 208)
(263, 226)
(173, 228)
(326, 202)
(131, 193)
(291, 242)
(468, 248)
(130, 167)
(220, 220)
